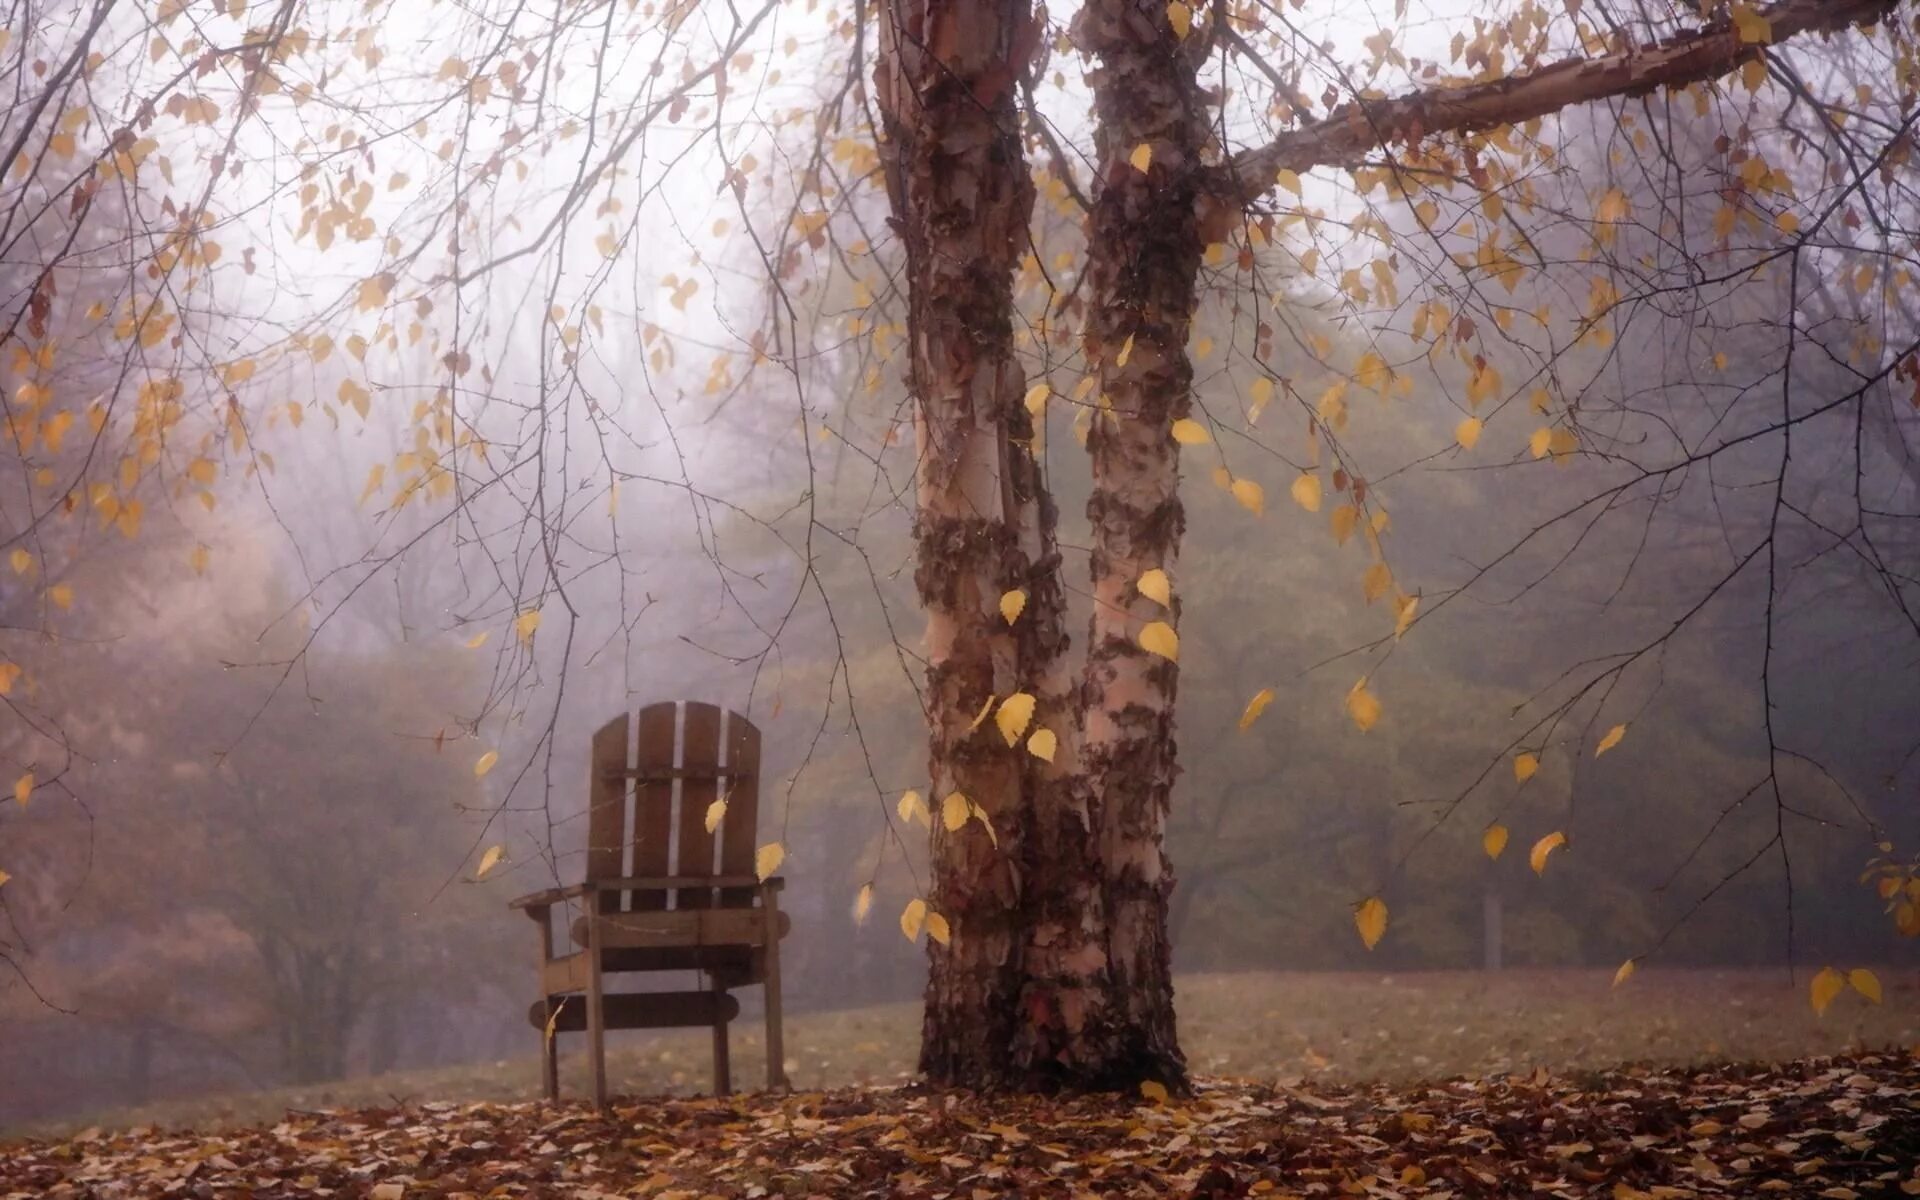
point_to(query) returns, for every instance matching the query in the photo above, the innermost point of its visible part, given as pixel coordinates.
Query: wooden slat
(685, 927)
(656, 775)
(607, 806)
(739, 830)
(642, 1010)
(653, 803)
(699, 751)
(677, 956)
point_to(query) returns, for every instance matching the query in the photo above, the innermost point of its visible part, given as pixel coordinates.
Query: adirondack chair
(663, 894)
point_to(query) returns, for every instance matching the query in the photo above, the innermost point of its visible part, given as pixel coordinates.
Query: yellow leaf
(1181, 18)
(1289, 180)
(954, 811)
(1539, 441)
(1036, 400)
(9, 672)
(61, 594)
(525, 624)
(1012, 604)
(373, 292)
(937, 928)
(20, 560)
(1370, 918)
(1126, 351)
(1343, 520)
(1826, 988)
(1255, 707)
(198, 558)
(1189, 432)
(485, 763)
(715, 812)
(1787, 223)
(1493, 839)
(1306, 492)
(980, 716)
(1624, 973)
(1251, 495)
(1524, 766)
(1016, 713)
(1141, 158)
(1042, 744)
(1363, 706)
(1859, 979)
(1612, 207)
(1376, 581)
(1537, 858)
(912, 917)
(490, 860)
(1405, 608)
(1753, 73)
(1159, 638)
(1155, 586)
(479, 639)
(1154, 1090)
(1720, 360)
(767, 860)
(23, 789)
(1611, 740)
(862, 904)
(911, 806)
(3, 878)
(1468, 432)
(1753, 28)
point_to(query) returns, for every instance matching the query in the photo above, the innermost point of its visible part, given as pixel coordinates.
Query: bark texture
(1143, 261)
(962, 196)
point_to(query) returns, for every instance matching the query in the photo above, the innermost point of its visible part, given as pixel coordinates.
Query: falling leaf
(1537, 858)
(1363, 706)
(715, 812)
(1155, 586)
(1624, 973)
(1012, 604)
(1154, 1090)
(1042, 744)
(1158, 637)
(23, 789)
(1493, 839)
(1255, 707)
(1141, 158)
(1859, 979)
(862, 904)
(1251, 495)
(1370, 918)
(912, 917)
(479, 639)
(1189, 432)
(1826, 987)
(490, 860)
(954, 811)
(767, 860)
(525, 624)
(1524, 767)
(911, 806)
(1306, 492)
(485, 763)
(1181, 18)
(937, 928)
(1611, 740)
(1467, 433)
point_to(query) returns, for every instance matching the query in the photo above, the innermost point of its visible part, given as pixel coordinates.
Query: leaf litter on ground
(1837, 1128)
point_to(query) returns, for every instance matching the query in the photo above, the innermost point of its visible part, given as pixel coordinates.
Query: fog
(251, 856)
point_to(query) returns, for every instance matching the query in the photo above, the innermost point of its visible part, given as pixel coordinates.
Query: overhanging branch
(1347, 134)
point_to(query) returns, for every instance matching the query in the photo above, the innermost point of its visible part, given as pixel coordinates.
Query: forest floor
(1305, 1075)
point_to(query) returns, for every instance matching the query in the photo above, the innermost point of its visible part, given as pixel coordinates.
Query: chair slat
(653, 803)
(607, 806)
(739, 830)
(699, 752)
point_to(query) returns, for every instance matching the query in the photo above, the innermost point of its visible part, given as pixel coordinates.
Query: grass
(1258, 1026)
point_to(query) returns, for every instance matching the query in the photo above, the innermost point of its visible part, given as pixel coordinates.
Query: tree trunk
(1143, 263)
(962, 196)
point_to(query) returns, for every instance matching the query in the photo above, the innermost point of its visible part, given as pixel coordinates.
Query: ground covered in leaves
(1830, 1127)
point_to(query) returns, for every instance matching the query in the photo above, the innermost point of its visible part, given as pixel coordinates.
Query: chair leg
(549, 1049)
(596, 1014)
(776, 1046)
(722, 1064)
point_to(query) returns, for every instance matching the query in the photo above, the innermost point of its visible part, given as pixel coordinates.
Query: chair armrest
(663, 883)
(549, 897)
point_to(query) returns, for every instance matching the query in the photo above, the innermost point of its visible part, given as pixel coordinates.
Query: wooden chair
(663, 894)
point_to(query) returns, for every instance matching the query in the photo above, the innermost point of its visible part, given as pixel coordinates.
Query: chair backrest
(655, 774)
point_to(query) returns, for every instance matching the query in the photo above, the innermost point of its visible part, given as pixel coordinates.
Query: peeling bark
(962, 196)
(1143, 262)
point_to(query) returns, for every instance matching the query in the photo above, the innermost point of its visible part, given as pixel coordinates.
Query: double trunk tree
(1057, 972)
